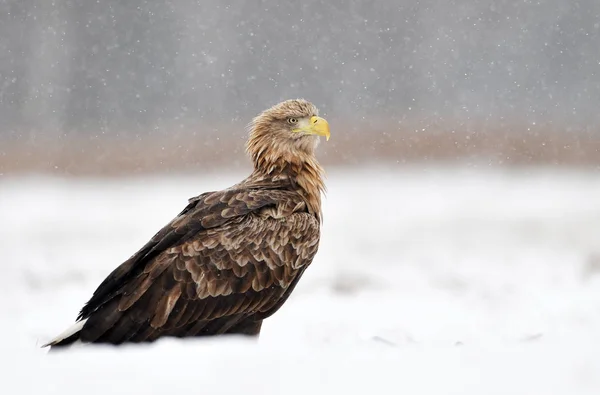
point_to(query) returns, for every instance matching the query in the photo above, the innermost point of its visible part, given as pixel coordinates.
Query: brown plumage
(231, 258)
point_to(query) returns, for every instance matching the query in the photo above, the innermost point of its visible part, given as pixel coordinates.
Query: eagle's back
(222, 266)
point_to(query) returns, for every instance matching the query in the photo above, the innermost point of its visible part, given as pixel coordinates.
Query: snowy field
(428, 281)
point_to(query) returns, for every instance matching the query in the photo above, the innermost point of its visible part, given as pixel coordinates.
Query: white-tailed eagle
(231, 258)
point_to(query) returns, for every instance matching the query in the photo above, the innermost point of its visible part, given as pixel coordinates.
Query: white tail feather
(67, 333)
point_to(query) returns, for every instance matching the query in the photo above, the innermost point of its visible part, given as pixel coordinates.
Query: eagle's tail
(68, 337)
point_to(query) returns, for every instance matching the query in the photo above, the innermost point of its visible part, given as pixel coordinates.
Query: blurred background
(118, 87)
(463, 203)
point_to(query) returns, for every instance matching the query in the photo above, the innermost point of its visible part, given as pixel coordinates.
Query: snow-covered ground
(427, 281)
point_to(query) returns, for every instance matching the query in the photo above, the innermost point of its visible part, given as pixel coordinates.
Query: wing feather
(165, 307)
(214, 267)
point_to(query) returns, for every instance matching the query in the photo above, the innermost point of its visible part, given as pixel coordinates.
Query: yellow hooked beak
(317, 126)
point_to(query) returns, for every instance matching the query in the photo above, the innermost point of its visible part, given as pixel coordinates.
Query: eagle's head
(287, 131)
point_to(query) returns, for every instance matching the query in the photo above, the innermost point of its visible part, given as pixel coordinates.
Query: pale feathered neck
(300, 168)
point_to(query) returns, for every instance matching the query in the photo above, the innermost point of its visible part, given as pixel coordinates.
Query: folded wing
(227, 261)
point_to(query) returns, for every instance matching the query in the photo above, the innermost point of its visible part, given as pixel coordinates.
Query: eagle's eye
(292, 121)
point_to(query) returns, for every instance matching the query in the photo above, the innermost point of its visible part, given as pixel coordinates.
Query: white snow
(428, 281)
